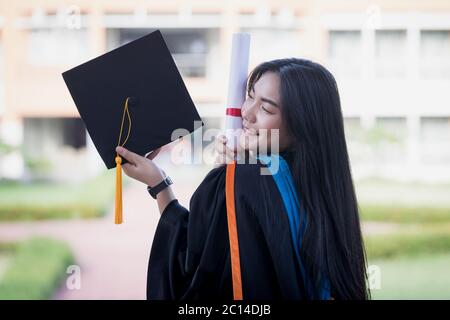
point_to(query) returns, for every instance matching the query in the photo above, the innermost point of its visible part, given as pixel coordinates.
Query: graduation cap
(132, 95)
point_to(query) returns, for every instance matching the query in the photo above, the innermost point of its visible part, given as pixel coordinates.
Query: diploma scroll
(236, 86)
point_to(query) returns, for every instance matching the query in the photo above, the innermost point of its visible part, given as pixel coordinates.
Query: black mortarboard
(132, 94)
(144, 71)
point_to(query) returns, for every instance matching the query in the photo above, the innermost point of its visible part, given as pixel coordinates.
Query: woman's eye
(265, 110)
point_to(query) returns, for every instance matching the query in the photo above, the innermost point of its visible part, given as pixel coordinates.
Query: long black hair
(310, 106)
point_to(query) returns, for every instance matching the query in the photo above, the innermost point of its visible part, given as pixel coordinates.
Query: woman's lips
(250, 131)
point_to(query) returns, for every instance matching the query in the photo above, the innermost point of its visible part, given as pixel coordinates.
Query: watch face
(159, 187)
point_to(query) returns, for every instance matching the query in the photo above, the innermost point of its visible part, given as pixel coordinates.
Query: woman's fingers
(224, 158)
(130, 156)
(224, 153)
(220, 144)
(140, 168)
(230, 153)
(129, 169)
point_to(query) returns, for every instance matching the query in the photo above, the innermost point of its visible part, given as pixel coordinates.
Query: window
(387, 140)
(344, 53)
(394, 129)
(390, 53)
(57, 46)
(435, 139)
(74, 133)
(43, 136)
(269, 43)
(189, 47)
(435, 53)
(435, 129)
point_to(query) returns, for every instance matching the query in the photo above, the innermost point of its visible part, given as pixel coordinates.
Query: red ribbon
(235, 112)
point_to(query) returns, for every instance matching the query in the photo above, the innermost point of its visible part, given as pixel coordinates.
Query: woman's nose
(248, 113)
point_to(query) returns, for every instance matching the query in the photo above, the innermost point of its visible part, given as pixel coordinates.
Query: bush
(43, 212)
(403, 214)
(38, 201)
(428, 240)
(37, 267)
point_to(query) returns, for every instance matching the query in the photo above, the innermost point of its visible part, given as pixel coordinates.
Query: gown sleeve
(190, 248)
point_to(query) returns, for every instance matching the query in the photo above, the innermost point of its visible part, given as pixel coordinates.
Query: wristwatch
(159, 187)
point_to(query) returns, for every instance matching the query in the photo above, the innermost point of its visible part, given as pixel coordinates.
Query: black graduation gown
(190, 255)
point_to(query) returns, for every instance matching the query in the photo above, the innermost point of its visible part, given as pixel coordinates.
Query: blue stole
(297, 218)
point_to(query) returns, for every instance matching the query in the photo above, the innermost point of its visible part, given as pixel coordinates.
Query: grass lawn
(37, 201)
(419, 277)
(414, 261)
(34, 269)
(5, 260)
(401, 202)
(409, 240)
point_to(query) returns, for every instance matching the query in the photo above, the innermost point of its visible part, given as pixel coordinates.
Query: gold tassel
(118, 215)
(118, 219)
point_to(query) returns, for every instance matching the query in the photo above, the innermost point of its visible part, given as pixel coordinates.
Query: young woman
(300, 241)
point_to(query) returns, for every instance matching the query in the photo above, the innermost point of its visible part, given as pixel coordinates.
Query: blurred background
(391, 60)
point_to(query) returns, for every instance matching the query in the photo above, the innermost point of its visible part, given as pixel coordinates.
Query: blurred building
(391, 60)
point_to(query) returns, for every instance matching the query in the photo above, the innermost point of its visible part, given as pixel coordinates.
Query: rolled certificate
(237, 86)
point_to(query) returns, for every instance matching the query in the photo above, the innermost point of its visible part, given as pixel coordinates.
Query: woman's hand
(248, 142)
(224, 154)
(141, 168)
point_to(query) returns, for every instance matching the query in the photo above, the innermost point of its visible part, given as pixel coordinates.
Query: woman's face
(262, 110)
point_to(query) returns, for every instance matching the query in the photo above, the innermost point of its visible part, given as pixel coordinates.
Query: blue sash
(297, 219)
